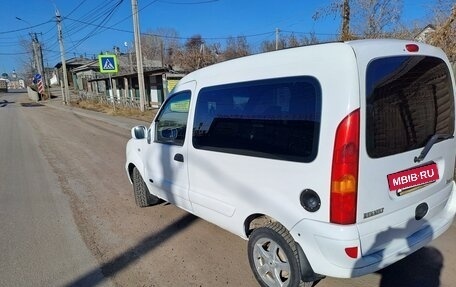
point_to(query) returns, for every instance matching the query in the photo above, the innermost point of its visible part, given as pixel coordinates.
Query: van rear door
(407, 148)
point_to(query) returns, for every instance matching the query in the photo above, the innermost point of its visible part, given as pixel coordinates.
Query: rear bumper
(324, 243)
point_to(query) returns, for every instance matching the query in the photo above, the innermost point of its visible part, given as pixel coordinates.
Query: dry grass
(146, 116)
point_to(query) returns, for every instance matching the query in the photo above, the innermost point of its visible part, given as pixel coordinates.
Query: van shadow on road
(421, 268)
(130, 256)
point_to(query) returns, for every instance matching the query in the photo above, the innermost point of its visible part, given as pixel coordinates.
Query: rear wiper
(430, 143)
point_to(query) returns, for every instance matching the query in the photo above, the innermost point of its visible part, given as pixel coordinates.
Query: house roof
(93, 65)
(74, 62)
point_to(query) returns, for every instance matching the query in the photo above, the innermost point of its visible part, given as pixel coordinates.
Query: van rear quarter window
(409, 99)
(274, 118)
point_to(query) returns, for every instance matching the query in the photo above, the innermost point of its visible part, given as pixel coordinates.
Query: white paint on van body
(226, 189)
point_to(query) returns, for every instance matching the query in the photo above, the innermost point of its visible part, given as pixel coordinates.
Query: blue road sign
(108, 63)
(36, 78)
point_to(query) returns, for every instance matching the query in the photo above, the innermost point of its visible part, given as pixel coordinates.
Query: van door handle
(179, 157)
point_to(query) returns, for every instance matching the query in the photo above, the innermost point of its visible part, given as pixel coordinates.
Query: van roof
(301, 59)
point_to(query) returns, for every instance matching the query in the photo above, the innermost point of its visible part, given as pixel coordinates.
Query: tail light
(344, 175)
(413, 48)
(352, 252)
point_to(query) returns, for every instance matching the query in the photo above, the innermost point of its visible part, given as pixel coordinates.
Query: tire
(143, 198)
(273, 257)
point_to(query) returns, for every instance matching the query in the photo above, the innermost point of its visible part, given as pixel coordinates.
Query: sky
(92, 26)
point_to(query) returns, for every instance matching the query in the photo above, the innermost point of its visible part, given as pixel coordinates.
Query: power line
(100, 25)
(76, 8)
(14, 54)
(27, 28)
(165, 36)
(310, 33)
(188, 3)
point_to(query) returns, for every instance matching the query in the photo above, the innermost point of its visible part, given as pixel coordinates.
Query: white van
(332, 160)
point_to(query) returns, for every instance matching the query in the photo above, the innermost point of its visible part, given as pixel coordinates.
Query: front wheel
(273, 257)
(143, 197)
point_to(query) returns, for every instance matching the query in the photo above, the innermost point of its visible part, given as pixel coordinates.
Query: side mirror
(139, 132)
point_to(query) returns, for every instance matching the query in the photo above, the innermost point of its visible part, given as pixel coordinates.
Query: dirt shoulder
(132, 113)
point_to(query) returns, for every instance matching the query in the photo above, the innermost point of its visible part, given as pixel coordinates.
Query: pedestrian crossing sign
(108, 63)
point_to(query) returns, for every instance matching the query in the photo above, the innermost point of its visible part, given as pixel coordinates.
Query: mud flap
(307, 273)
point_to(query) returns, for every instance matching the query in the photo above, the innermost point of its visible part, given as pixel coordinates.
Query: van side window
(274, 118)
(409, 99)
(171, 123)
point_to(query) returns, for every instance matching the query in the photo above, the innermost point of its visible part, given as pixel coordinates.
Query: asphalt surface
(40, 244)
(68, 217)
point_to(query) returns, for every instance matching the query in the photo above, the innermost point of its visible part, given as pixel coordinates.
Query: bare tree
(310, 40)
(236, 47)
(195, 54)
(170, 44)
(335, 8)
(374, 18)
(151, 46)
(158, 46)
(270, 45)
(27, 62)
(444, 35)
(377, 17)
(293, 41)
(405, 32)
(193, 51)
(267, 46)
(289, 42)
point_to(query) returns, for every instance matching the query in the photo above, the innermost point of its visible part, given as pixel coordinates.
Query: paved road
(40, 244)
(68, 217)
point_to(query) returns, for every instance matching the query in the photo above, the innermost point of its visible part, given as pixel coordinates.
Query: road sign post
(38, 80)
(108, 64)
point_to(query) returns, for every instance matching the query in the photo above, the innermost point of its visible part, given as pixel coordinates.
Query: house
(425, 33)
(82, 74)
(70, 65)
(124, 88)
(424, 37)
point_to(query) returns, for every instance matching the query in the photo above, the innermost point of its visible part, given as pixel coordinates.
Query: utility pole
(66, 94)
(139, 63)
(38, 64)
(38, 55)
(277, 38)
(35, 61)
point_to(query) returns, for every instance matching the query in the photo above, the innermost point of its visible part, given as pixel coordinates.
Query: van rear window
(276, 118)
(409, 99)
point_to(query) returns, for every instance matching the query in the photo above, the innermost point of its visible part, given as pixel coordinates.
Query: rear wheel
(143, 197)
(273, 257)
